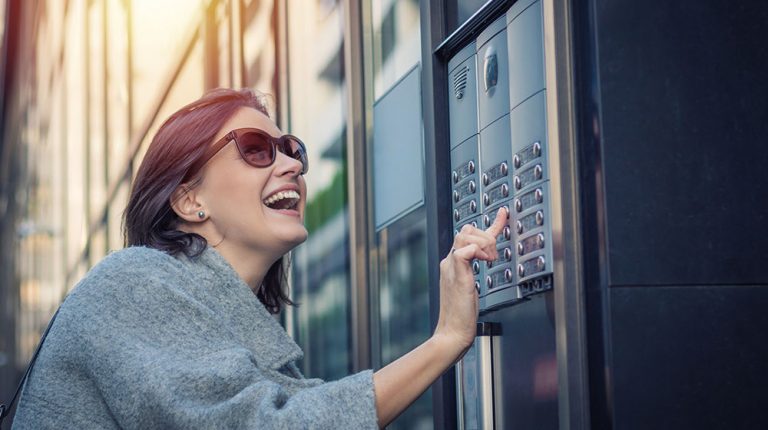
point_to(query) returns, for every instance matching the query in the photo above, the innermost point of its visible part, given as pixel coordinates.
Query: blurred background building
(87, 83)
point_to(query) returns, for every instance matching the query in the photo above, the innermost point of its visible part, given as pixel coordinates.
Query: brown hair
(181, 140)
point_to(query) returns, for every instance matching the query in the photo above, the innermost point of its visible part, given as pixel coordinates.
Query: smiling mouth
(283, 200)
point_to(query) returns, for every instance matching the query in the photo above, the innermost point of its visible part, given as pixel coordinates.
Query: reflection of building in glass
(317, 106)
(88, 82)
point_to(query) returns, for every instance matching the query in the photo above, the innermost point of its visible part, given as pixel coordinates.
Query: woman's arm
(399, 384)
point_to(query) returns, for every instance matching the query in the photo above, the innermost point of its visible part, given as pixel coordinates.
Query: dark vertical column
(592, 213)
(9, 282)
(357, 190)
(437, 164)
(569, 305)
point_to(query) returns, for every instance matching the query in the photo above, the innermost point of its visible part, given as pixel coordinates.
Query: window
(317, 114)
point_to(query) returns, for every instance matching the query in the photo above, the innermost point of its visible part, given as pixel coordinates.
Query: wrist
(449, 346)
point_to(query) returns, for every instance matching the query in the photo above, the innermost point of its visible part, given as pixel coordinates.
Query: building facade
(87, 83)
(605, 126)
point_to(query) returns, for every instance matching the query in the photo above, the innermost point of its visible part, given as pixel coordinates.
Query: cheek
(303, 190)
(235, 191)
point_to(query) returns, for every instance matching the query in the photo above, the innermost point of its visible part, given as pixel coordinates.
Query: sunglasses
(258, 148)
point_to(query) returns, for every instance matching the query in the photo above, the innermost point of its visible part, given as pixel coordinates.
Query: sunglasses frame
(278, 144)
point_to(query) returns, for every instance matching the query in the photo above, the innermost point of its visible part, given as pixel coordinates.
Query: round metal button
(518, 205)
(486, 181)
(516, 161)
(538, 171)
(505, 190)
(455, 176)
(489, 264)
(504, 169)
(508, 275)
(473, 206)
(489, 282)
(476, 267)
(519, 227)
(471, 167)
(520, 248)
(472, 187)
(456, 215)
(536, 148)
(507, 254)
(486, 220)
(539, 194)
(477, 286)
(507, 232)
(539, 217)
(520, 270)
(474, 224)
(486, 199)
(541, 262)
(540, 240)
(518, 182)
(455, 196)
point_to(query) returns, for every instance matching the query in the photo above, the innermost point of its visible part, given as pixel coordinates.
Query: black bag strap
(4, 410)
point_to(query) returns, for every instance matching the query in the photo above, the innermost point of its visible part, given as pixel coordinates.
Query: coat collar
(243, 313)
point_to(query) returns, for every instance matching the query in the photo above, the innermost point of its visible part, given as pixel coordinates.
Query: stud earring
(200, 214)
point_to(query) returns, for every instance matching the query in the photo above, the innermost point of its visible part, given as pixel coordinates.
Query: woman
(176, 331)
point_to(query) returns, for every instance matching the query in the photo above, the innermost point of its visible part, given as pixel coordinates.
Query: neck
(251, 266)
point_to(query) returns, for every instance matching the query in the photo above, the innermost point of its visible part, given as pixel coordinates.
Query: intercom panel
(530, 166)
(499, 154)
(462, 100)
(525, 38)
(493, 74)
(495, 158)
(465, 193)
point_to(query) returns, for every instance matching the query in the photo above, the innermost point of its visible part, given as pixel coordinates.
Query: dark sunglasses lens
(256, 149)
(295, 149)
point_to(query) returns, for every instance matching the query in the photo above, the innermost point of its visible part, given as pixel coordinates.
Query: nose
(285, 165)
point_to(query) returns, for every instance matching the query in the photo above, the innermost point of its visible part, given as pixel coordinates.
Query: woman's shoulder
(132, 255)
(120, 271)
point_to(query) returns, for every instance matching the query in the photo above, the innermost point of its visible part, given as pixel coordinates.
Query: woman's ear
(184, 201)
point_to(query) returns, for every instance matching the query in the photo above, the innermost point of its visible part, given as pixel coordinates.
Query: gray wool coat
(147, 340)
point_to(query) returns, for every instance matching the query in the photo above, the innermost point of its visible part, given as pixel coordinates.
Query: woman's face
(242, 201)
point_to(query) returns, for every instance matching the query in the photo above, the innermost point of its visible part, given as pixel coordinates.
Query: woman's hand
(458, 295)
(399, 383)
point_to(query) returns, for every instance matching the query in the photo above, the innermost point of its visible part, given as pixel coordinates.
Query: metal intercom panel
(499, 151)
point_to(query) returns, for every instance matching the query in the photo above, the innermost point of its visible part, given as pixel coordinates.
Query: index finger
(499, 223)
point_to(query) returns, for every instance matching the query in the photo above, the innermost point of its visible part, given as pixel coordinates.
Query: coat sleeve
(225, 389)
(162, 359)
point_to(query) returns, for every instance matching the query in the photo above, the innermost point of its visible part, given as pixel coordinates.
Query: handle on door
(474, 381)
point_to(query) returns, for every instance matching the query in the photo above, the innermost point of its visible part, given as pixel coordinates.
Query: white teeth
(290, 194)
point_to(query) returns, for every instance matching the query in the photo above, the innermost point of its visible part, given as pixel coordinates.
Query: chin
(295, 238)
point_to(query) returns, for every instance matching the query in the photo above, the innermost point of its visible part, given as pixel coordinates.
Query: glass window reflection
(396, 41)
(317, 114)
(404, 302)
(459, 11)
